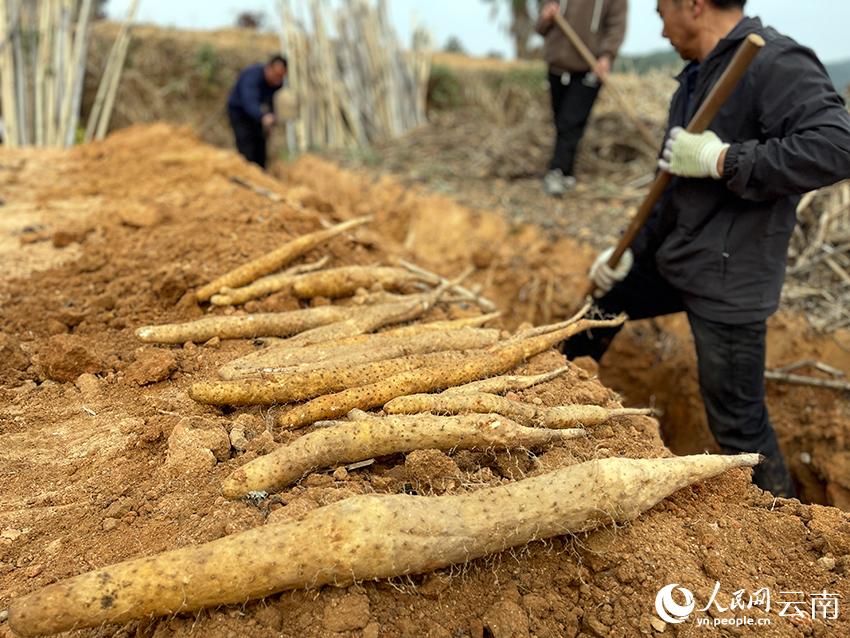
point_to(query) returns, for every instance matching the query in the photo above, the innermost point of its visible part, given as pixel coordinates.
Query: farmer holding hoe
(573, 85)
(716, 243)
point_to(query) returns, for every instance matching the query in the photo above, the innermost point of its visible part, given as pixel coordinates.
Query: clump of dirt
(119, 462)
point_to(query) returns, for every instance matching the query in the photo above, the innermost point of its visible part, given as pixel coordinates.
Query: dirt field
(104, 457)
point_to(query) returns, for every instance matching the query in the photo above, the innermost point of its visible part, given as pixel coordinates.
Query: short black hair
(277, 57)
(729, 4)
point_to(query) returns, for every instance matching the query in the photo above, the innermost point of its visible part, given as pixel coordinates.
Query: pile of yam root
(370, 380)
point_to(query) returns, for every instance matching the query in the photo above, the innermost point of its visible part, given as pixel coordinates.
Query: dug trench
(654, 363)
(104, 457)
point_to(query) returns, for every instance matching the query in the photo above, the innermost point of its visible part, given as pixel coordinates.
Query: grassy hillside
(668, 59)
(662, 59)
(840, 74)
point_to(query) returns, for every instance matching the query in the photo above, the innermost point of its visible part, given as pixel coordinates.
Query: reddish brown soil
(103, 456)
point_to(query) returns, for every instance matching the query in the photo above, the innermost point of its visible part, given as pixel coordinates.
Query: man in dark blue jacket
(716, 245)
(250, 107)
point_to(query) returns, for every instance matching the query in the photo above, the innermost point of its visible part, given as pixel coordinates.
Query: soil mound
(103, 456)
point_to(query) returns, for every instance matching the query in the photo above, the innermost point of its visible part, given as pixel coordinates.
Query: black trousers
(571, 106)
(250, 137)
(730, 360)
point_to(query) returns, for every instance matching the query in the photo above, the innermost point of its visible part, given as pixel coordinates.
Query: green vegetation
(529, 78)
(445, 90)
(454, 45)
(209, 65)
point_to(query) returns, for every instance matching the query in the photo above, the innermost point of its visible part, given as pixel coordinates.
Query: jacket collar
(732, 40)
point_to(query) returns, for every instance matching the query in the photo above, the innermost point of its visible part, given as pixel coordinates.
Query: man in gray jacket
(601, 24)
(716, 245)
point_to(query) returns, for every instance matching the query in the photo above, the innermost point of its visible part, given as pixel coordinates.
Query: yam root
(365, 438)
(312, 325)
(498, 360)
(390, 348)
(507, 383)
(306, 384)
(275, 260)
(281, 282)
(345, 281)
(434, 279)
(272, 324)
(363, 320)
(363, 538)
(565, 416)
(416, 339)
(542, 330)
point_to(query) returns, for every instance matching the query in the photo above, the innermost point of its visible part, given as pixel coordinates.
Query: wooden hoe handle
(720, 92)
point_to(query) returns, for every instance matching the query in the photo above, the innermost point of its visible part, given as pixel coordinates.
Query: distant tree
(495, 55)
(251, 20)
(454, 45)
(522, 24)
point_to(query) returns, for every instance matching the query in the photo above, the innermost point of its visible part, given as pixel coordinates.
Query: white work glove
(604, 277)
(692, 155)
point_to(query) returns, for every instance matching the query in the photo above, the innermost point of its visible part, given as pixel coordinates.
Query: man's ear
(697, 7)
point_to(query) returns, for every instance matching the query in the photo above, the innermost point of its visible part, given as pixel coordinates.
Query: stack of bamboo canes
(43, 48)
(357, 89)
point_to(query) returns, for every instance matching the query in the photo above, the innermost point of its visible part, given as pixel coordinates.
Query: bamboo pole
(114, 79)
(53, 74)
(20, 74)
(107, 89)
(41, 64)
(79, 71)
(7, 78)
(61, 54)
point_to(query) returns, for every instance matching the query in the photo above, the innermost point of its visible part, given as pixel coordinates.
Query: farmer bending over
(716, 245)
(250, 107)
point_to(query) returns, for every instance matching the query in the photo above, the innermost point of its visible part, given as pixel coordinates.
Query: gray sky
(820, 24)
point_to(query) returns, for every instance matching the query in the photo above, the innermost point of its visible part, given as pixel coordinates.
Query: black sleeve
(250, 94)
(805, 126)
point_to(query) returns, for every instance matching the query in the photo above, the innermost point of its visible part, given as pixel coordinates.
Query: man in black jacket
(716, 245)
(250, 107)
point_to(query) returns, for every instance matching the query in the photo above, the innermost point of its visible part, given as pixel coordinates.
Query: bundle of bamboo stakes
(358, 88)
(43, 48)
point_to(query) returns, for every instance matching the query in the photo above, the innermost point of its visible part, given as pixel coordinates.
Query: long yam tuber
(564, 416)
(497, 360)
(507, 383)
(306, 384)
(270, 262)
(415, 339)
(363, 320)
(271, 324)
(361, 538)
(345, 281)
(280, 282)
(349, 441)
(312, 325)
